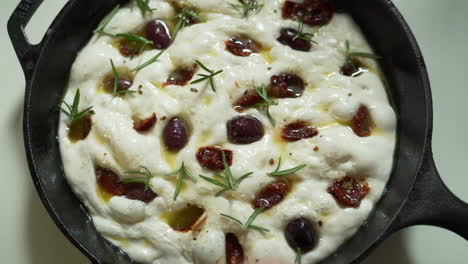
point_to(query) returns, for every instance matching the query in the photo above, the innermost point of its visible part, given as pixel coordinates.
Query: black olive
(123, 84)
(301, 234)
(158, 32)
(175, 134)
(244, 130)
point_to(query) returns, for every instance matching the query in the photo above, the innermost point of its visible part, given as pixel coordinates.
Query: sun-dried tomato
(234, 251)
(297, 131)
(181, 76)
(138, 191)
(312, 12)
(248, 99)
(80, 128)
(109, 181)
(348, 191)
(362, 122)
(286, 85)
(271, 195)
(211, 157)
(146, 124)
(242, 46)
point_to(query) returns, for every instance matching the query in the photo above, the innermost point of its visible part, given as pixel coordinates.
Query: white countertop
(29, 235)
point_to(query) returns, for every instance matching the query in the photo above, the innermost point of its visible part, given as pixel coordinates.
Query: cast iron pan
(415, 193)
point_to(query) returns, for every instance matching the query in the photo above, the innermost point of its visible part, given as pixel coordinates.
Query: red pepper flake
(271, 195)
(146, 124)
(109, 181)
(362, 122)
(242, 46)
(316, 148)
(297, 131)
(211, 157)
(348, 191)
(239, 109)
(234, 251)
(272, 162)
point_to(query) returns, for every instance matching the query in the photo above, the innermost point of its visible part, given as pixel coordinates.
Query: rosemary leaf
(204, 77)
(246, 7)
(183, 18)
(144, 7)
(253, 216)
(298, 257)
(233, 218)
(107, 19)
(229, 183)
(116, 81)
(145, 173)
(248, 224)
(72, 110)
(149, 62)
(364, 55)
(182, 171)
(215, 182)
(302, 35)
(277, 172)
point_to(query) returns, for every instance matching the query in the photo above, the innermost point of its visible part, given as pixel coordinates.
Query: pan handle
(26, 52)
(432, 203)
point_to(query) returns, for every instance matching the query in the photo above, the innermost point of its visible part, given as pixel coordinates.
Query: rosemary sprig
(303, 35)
(298, 257)
(116, 81)
(209, 76)
(183, 19)
(248, 224)
(267, 102)
(149, 62)
(145, 173)
(350, 54)
(229, 183)
(144, 6)
(182, 171)
(72, 110)
(246, 7)
(107, 19)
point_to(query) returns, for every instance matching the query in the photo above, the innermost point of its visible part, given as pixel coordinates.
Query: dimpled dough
(329, 100)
